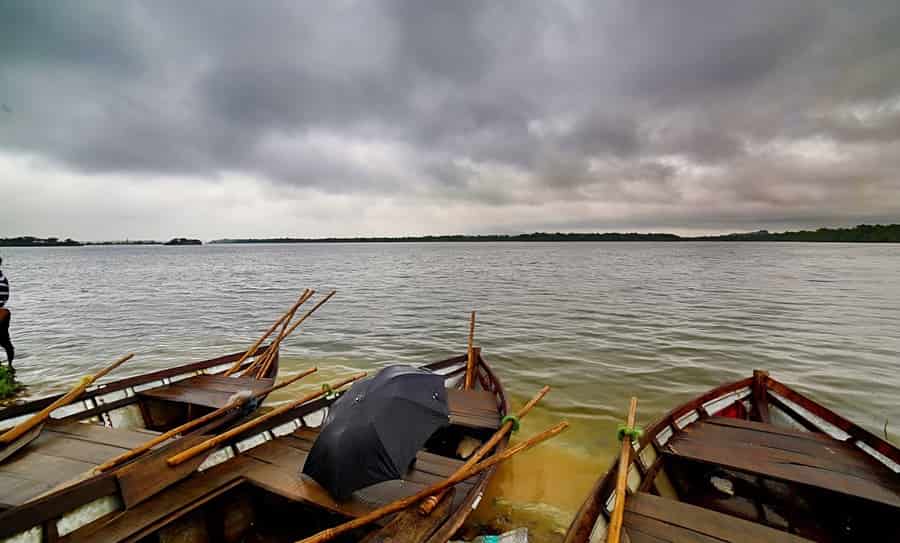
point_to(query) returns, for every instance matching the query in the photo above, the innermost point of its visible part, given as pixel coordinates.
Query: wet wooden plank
(150, 474)
(206, 390)
(767, 428)
(123, 438)
(175, 501)
(286, 481)
(473, 408)
(70, 447)
(409, 526)
(830, 465)
(651, 518)
(16, 489)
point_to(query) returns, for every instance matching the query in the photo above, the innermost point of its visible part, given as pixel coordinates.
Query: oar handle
(615, 521)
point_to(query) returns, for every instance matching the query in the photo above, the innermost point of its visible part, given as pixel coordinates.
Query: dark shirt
(4, 289)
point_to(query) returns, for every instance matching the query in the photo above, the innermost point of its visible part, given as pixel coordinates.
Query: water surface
(599, 322)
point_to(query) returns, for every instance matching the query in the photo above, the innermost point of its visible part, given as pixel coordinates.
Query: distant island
(183, 241)
(31, 241)
(863, 233)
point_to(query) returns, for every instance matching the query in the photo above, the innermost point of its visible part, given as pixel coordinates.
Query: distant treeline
(31, 241)
(537, 236)
(126, 242)
(862, 233)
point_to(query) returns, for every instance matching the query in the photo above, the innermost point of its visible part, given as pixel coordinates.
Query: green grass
(8, 384)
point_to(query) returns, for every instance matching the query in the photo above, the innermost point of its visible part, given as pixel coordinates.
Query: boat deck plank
(207, 390)
(281, 460)
(473, 408)
(652, 519)
(794, 456)
(61, 453)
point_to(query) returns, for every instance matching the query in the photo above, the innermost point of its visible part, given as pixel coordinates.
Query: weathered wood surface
(142, 480)
(61, 453)
(168, 505)
(410, 526)
(651, 519)
(282, 459)
(800, 457)
(473, 408)
(121, 384)
(207, 390)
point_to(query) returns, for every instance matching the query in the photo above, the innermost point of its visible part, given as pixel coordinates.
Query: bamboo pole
(190, 425)
(273, 347)
(403, 503)
(470, 362)
(200, 448)
(307, 294)
(294, 326)
(17, 431)
(615, 521)
(263, 337)
(429, 503)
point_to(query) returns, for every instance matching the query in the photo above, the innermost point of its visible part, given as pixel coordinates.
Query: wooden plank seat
(473, 408)
(800, 457)
(281, 460)
(61, 453)
(206, 390)
(273, 466)
(652, 519)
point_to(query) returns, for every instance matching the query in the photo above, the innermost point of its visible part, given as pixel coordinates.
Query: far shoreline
(863, 233)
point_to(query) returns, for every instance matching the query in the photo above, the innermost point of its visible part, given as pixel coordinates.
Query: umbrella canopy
(373, 431)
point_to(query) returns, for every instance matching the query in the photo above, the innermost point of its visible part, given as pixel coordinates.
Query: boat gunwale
(102, 389)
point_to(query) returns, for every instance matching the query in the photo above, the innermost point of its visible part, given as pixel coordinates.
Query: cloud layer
(342, 118)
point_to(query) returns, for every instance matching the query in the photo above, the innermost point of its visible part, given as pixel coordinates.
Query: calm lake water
(599, 322)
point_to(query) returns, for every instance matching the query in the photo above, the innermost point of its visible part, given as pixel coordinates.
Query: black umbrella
(373, 431)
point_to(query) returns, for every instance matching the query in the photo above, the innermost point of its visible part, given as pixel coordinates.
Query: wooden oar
(263, 337)
(470, 361)
(213, 442)
(273, 347)
(268, 363)
(76, 391)
(615, 521)
(190, 425)
(429, 503)
(403, 503)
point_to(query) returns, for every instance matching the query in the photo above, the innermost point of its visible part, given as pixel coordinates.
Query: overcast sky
(216, 119)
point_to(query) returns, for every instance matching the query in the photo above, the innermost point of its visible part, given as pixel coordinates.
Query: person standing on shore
(5, 316)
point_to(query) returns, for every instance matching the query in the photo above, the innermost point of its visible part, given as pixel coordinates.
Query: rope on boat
(329, 392)
(634, 432)
(511, 418)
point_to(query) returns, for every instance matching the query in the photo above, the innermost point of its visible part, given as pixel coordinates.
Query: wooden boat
(752, 460)
(251, 488)
(112, 418)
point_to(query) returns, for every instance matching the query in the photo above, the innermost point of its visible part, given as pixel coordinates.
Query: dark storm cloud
(703, 108)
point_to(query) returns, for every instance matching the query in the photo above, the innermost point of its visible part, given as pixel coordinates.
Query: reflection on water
(599, 322)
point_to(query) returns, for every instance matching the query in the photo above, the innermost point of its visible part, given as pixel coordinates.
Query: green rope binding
(514, 419)
(634, 433)
(329, 392)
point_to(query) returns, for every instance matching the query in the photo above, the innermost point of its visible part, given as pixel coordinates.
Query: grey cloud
(629, 103)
